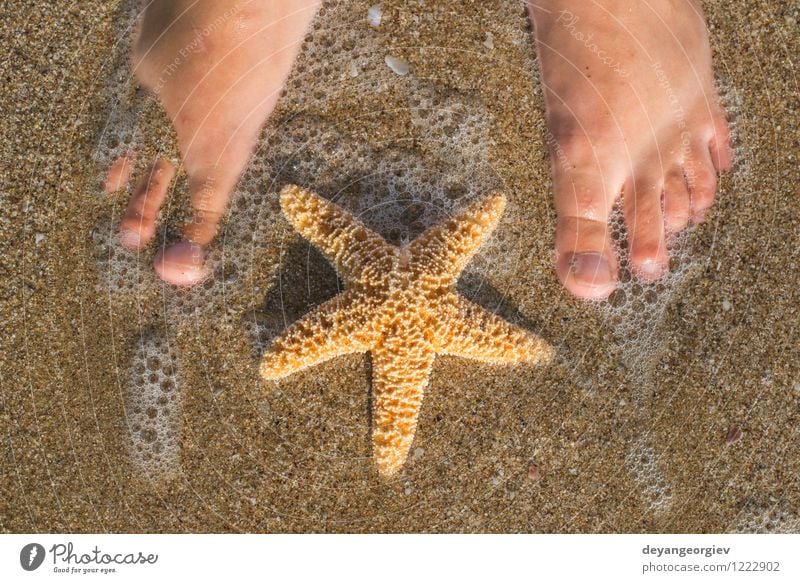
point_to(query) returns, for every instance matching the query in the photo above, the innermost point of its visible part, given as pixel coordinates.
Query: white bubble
(153, 408)
(643, 465)
(765, 517)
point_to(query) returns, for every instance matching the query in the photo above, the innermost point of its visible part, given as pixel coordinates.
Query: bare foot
(633, 111)
(217, 68)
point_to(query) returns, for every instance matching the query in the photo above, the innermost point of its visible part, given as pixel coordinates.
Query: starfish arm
(337, 327)
(446, 248)
(469, 331)
(400, 374)
(354, 249)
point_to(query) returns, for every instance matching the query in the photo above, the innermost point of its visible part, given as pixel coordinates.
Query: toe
(720, 148)
(585, 260)
(677, 205)
(182, 264)
(589, 275)
(138, 224)
(119, 173)
(701, 177)
(645, 222)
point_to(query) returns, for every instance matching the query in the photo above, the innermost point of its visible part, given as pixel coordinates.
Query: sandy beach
(129, 406)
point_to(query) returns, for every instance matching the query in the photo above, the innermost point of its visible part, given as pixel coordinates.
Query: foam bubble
(121, 271)
(643, 465)
(765, 518)
(153, 407)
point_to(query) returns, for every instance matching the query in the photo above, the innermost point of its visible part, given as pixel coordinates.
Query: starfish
(400, 305)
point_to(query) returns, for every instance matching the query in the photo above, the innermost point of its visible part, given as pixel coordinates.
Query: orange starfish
(401, 306)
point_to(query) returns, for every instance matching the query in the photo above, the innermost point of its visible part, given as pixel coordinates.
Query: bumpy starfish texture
(401, 306)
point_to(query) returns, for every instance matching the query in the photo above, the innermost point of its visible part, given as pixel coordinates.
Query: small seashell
(374, 15)
(734, 435)
(398, 65)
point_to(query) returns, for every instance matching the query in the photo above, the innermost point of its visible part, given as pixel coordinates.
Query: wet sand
(619, 435)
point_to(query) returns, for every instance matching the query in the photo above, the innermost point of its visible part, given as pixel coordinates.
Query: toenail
(129, 239)
(591, 269)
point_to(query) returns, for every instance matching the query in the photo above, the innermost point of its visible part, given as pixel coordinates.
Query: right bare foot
(218, 69)
(632, 108)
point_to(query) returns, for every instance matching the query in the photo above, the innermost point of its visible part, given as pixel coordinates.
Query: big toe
(588, 274)
(182, 264)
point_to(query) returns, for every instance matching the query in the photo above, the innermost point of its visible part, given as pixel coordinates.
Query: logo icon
(31, 556)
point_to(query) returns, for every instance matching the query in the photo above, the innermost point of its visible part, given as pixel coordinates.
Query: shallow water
(628, 428)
